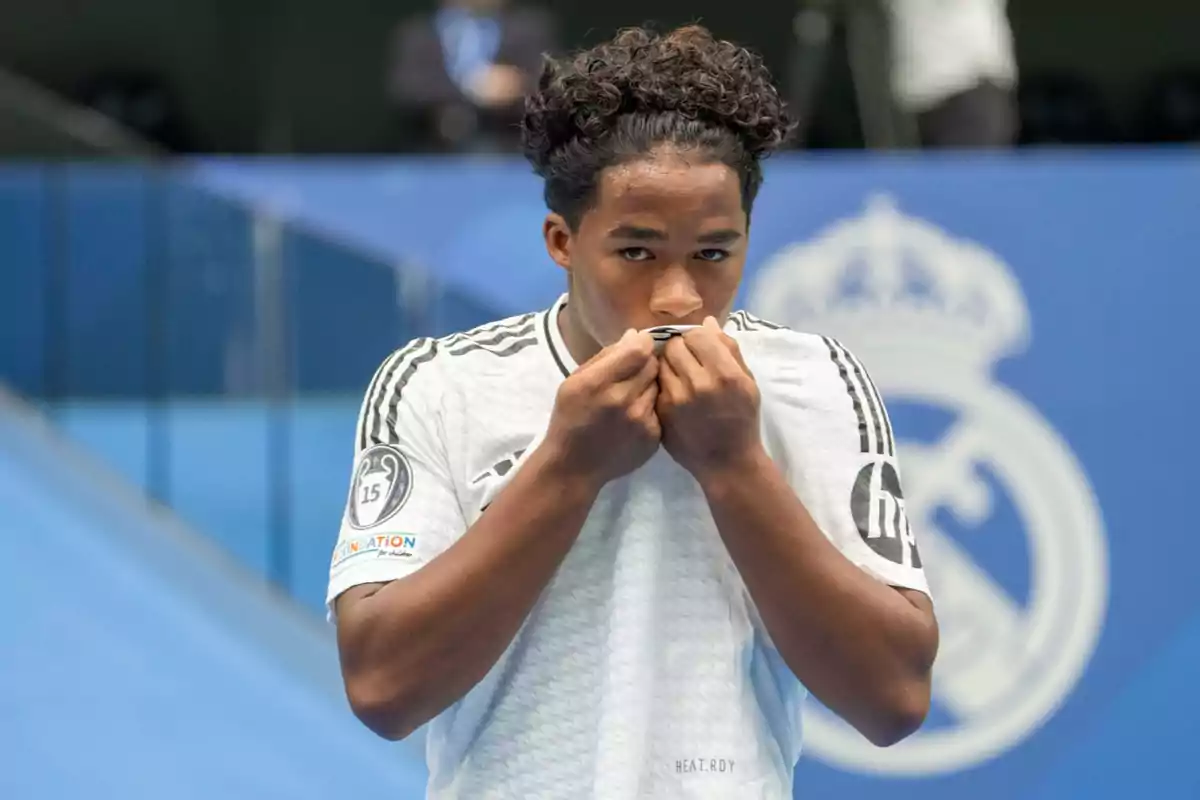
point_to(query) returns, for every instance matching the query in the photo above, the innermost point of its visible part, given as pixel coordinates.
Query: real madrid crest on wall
(382, 483)
(930, 316)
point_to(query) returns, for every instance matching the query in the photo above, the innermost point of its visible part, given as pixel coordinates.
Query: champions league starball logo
(930, 316)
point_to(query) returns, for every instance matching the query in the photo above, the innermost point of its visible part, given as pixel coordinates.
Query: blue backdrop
(1029, 319)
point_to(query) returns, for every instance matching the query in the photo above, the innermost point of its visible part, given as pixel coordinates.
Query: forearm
(421, 643)
(860, 646)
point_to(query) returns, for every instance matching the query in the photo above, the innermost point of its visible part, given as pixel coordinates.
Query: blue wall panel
(322, 436)
(207, 294)
(108, 274)
(345, 314)
(219, 474)
(25, 263)
(119, 433)
(219, 471)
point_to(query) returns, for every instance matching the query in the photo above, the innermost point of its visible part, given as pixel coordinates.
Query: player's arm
(414, 645)
(862, 647)
(860, 634)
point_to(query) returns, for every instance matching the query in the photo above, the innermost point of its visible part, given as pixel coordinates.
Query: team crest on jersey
(381, 486)
(1011, 535)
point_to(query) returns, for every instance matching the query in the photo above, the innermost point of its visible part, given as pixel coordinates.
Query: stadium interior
(218, 218)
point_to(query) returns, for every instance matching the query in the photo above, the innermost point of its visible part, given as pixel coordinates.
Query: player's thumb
(617, 351)
(631, 351)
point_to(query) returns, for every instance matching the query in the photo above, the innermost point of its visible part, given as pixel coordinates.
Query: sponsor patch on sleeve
(877, 505)
(381, 545)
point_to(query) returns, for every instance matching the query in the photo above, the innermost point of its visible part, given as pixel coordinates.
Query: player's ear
(557, 234)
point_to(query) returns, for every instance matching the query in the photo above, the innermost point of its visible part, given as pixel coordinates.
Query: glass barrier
(209, 353)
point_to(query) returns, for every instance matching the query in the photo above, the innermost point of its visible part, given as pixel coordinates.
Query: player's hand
(708, 402)
(604, 422)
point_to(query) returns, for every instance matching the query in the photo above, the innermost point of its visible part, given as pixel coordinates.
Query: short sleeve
(402, 509)
(827, 425)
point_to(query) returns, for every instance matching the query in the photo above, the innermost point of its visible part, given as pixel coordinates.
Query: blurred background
(217, 217)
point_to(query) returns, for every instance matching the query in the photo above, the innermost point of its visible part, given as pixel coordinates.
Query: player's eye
(712, 254)
(635, 254)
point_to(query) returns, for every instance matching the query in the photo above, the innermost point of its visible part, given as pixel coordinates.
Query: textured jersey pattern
(643, 671)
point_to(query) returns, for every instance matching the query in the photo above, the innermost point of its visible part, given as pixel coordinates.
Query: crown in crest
(884, 280)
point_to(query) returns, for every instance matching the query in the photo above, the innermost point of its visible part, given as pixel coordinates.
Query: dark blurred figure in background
(954, 70)
(922, 73)
(458, 76)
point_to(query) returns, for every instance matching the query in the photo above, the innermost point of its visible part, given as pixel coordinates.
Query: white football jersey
(643, 671)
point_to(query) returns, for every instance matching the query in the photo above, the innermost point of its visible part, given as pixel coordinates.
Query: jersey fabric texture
(643, 670)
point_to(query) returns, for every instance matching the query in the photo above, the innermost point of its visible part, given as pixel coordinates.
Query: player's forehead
(669, 188)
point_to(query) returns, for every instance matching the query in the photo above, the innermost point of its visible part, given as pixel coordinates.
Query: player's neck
(579, 342)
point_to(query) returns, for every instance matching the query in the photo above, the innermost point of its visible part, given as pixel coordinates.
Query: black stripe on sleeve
(480, 344)
(887, 420)
(753, 320)
(511, 346)
(498, 330)
(888, 439)
(872, 405)
(384, 394)
(373, 406)
(385, 423)
(834, 356)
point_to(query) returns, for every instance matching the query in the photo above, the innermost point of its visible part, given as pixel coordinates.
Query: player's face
(664, 243)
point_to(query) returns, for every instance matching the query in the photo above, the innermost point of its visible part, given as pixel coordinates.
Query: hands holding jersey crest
(696, 398)
(707, 401)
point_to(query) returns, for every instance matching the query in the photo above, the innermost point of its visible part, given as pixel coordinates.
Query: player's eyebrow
(723, 236)
(637, 232)
(640, 233)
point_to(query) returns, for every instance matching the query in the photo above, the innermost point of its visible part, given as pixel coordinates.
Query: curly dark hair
(618, 100)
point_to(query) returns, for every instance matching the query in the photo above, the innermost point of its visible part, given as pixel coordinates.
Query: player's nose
(675, 297)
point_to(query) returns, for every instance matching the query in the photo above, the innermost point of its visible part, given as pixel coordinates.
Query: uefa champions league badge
(381, 486)
(931, 315)
(661, 334)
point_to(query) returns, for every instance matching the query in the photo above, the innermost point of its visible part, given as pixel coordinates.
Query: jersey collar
(554, 340)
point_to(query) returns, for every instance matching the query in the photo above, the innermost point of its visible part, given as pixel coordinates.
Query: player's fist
(604, 422)
(708, 401)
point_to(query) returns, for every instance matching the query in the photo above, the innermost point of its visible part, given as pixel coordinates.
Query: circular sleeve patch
(877, 505)
(381, 486)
